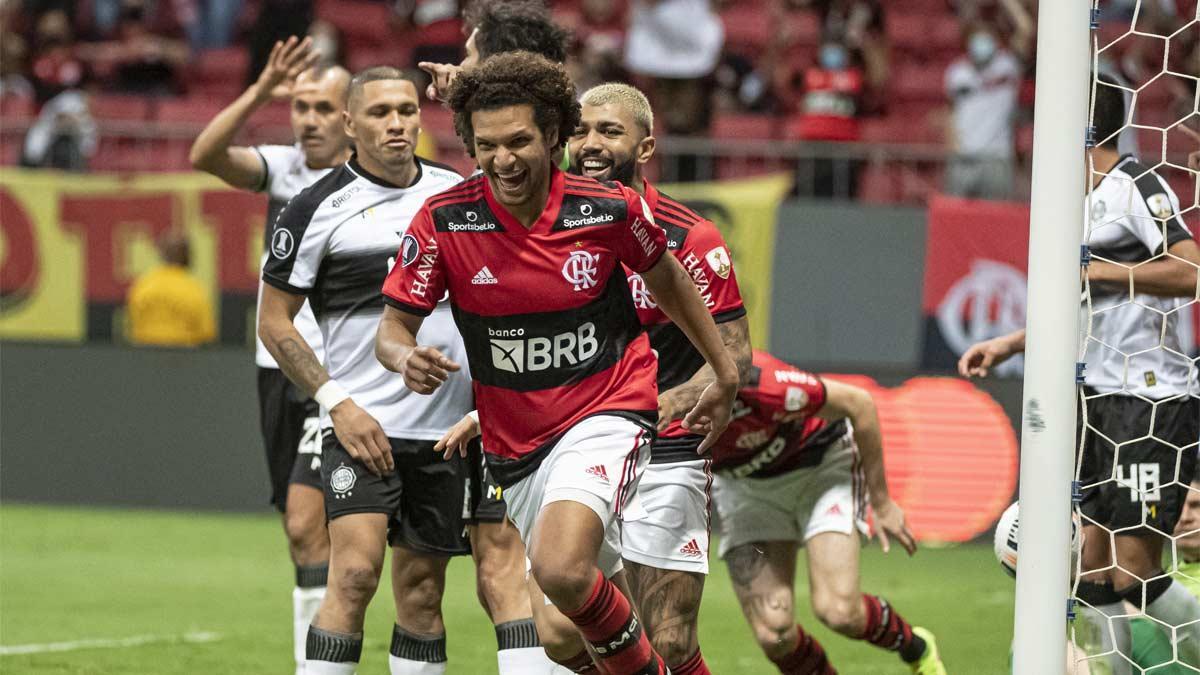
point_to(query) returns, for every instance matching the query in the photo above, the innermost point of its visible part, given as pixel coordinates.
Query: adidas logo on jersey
(692, 550)
(598, 471)
(484, 277)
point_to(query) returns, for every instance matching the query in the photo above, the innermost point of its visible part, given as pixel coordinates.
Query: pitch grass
(74, 574)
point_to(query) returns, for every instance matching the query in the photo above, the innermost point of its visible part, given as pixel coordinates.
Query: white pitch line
(113, 643)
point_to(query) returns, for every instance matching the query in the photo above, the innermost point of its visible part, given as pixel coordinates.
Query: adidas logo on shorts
(692, 550)
(484, 277)
(598, 471)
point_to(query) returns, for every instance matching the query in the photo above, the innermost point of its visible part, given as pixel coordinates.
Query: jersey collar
(650, 194)
(549, 214)
(363, 173)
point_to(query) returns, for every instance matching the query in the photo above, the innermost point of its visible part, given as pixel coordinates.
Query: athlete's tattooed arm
(278, 332)
(675, 402)
(357, 431)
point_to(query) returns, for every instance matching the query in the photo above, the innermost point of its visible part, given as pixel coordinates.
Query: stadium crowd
(835, 77)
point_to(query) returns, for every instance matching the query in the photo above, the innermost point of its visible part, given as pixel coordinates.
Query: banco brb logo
(521, 355)
(987, 302)
(580, 269)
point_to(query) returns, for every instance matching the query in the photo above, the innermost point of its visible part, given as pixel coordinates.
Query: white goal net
(1136, 582)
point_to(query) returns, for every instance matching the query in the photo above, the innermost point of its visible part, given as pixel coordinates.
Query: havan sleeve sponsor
(416, 281)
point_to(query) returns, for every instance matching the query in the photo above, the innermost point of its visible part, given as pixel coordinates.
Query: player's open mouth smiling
(595, 166)
(511, 183)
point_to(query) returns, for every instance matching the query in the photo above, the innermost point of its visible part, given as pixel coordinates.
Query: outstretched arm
(981, 356)
(424, 368)
(843, 401)
(239, 166)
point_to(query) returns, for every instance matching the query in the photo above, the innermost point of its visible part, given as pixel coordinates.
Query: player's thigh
(833, 577)
(564, 546)
(763, 576)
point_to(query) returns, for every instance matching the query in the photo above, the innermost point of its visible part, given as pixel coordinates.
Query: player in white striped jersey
(288, 416)
(1140, 389)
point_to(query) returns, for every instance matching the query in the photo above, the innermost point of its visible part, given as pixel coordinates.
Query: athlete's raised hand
(890, 524)
(457, 438)
(443, 75)
(712, 412)
(982, 356)
(287, 60)
(425, 369)
(362, 437)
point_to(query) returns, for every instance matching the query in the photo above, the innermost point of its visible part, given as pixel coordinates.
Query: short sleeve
(297, 245)
(416, 281)
(783, 388)
(638, 242)
(705, 248)
(1160, 218)
(276, 160)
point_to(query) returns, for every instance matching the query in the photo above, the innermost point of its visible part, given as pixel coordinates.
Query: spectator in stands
(14, 55)
(56, 64)
(64, 136)
(327, 43)
(676, 44)
(210, 23)
(982, 86)
(598, 38)
(858, 25)
(168, 306)
(142, 56)
(830, 104)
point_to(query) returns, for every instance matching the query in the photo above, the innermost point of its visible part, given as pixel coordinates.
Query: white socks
(305, 602)
(399, 666)
(527, 660)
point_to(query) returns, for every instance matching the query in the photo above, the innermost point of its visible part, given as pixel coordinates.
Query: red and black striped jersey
(550, 328)
(698, 245)
(774, 427)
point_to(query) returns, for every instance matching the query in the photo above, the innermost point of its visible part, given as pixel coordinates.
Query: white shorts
(795, 506)
(597, 463)
(675, 531)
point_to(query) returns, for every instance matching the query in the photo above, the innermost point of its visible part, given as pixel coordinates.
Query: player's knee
(564, 581)
(420, 597)
(840, 614)
(356, 583)
(307, 537)
(777, 638)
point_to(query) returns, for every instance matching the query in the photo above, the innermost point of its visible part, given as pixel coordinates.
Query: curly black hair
(516, 25)
(515, 78)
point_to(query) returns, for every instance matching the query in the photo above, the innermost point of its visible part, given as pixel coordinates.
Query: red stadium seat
(915, 82)
(923, 34)
(13, 108)
(751, 127)
(363, 24)
(876, 185)
(194, 109)
(117, 107)
(226, 66)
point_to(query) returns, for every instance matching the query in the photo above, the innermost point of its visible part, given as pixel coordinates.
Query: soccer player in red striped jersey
(795, 468)
(666, 552)
(564, 377)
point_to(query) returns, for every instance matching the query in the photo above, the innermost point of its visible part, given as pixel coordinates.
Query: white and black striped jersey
(335, 243)
(285, 174)
(1134, 345)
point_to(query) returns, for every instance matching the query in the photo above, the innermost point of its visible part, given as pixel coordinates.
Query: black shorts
(487, 499)
(425, 498)
(1141, 484)
(291, 432)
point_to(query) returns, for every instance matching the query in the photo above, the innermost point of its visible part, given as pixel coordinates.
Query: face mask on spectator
(833, 57)
(981, 47)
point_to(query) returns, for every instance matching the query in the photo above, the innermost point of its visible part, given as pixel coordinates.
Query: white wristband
(474, 414)
(330, 394)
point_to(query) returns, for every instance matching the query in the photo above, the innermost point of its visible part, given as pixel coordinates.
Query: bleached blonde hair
(626, 96)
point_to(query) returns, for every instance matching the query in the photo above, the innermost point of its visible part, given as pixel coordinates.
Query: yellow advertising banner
(745, 211)
(71, 245)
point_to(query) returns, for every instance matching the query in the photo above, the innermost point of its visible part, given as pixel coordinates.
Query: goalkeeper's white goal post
(1052, 335)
